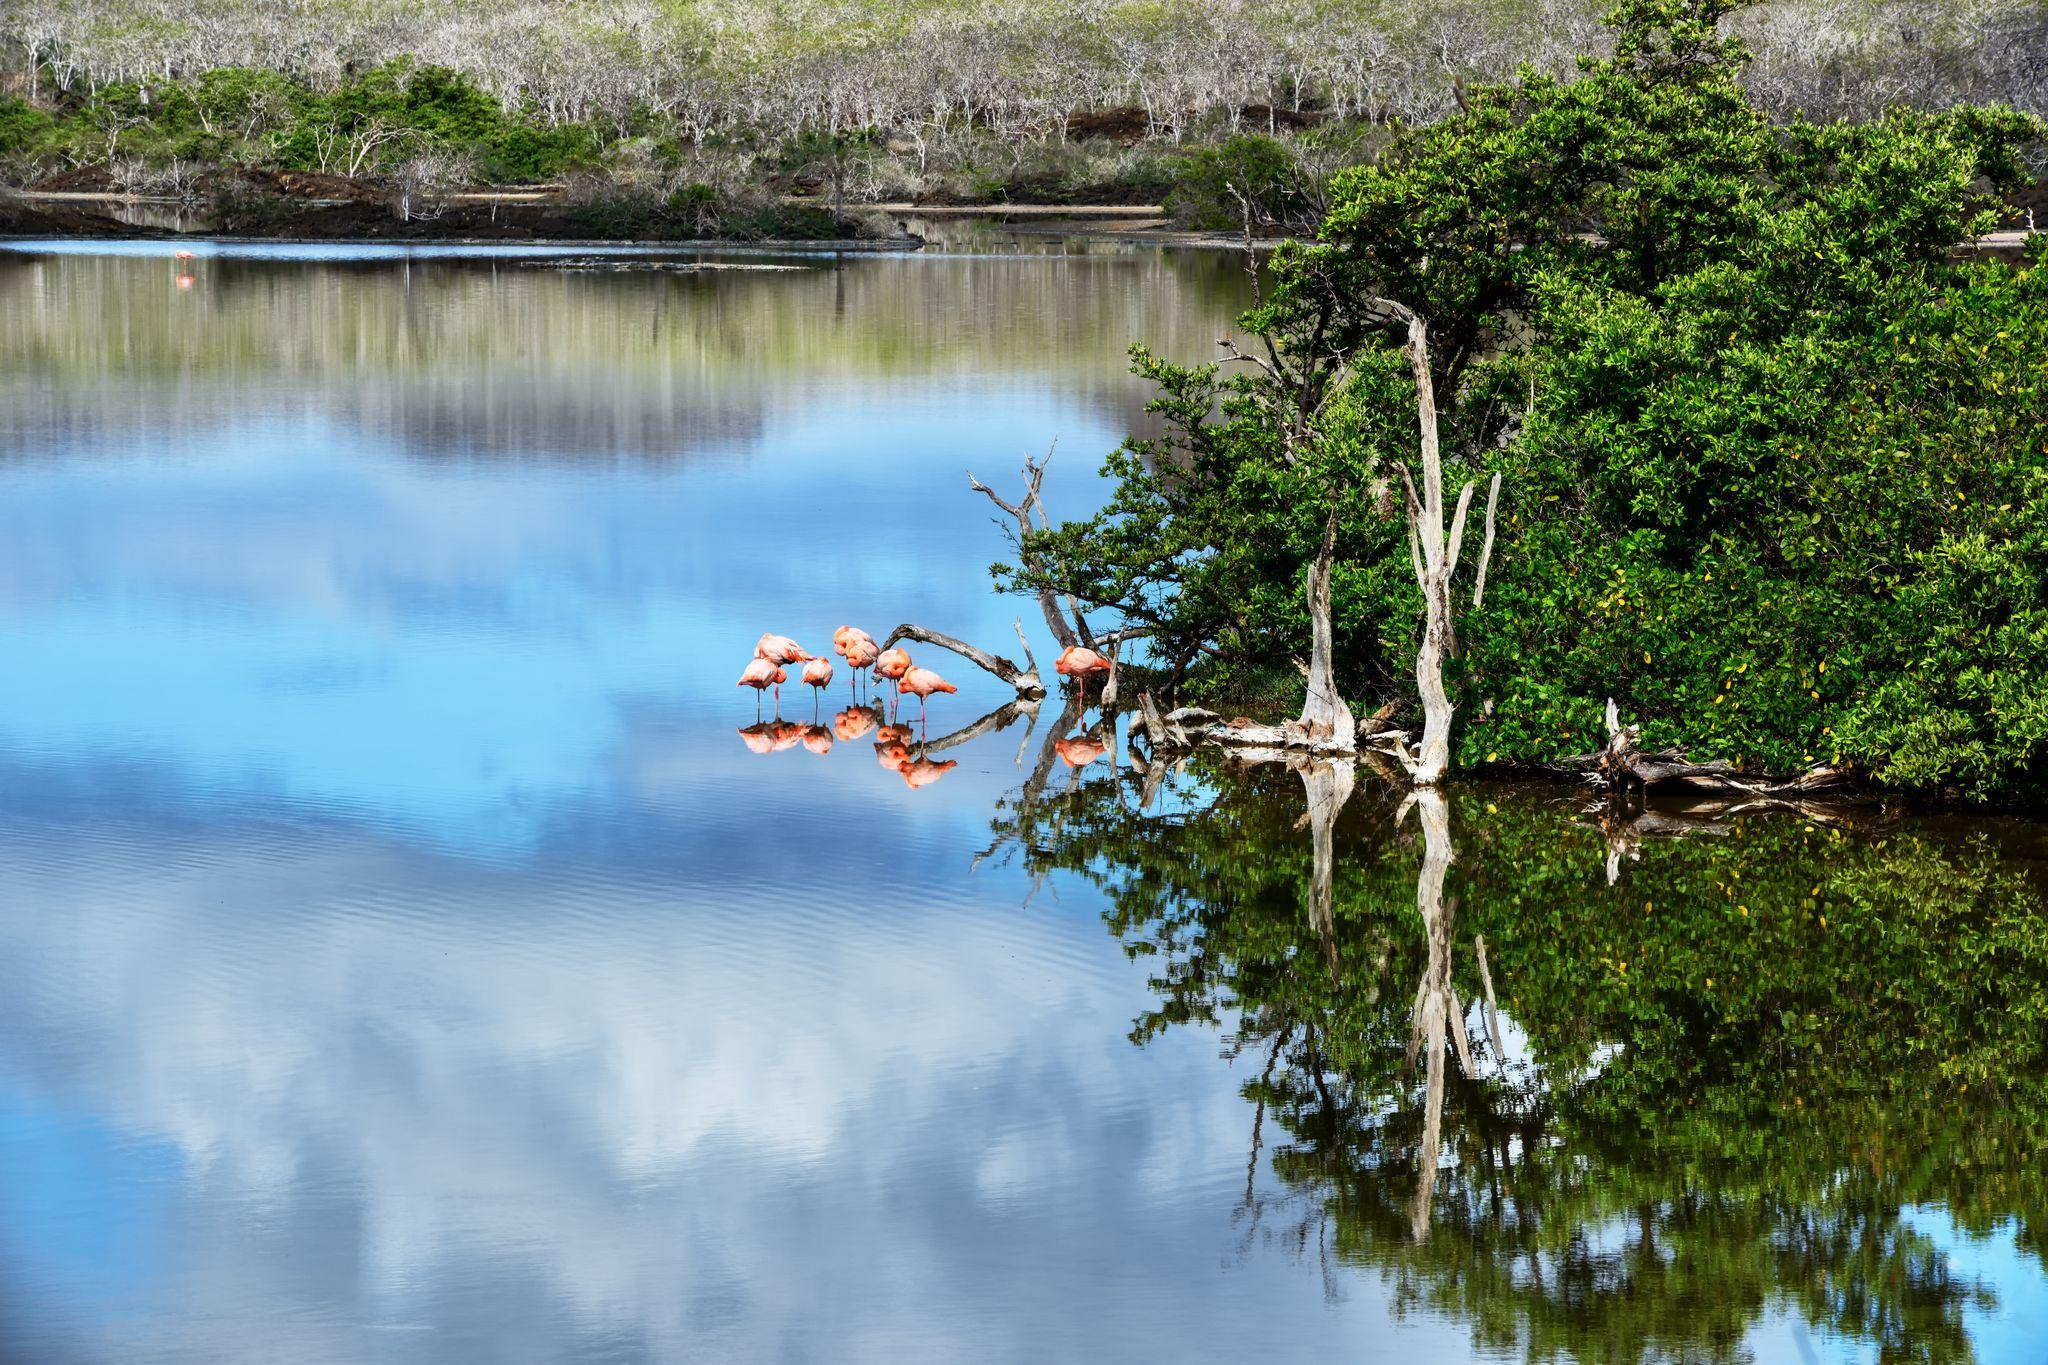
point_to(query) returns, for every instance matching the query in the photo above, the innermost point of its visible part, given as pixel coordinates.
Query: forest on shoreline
(1757, 460)
(675, 119)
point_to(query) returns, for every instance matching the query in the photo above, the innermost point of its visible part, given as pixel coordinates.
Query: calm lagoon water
(404, 957)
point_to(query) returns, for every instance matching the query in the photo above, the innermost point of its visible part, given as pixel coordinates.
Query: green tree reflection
(1740, 1047)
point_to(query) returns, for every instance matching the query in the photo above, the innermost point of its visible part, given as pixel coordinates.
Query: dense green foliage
(1774, 452)
(1741, 1067)
(367, 123)
(1248, 183)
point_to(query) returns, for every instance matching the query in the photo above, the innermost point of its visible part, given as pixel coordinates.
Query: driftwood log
(1191, 727)
(1623, 764)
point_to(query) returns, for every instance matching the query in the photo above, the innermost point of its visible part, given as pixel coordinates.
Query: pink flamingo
(858, 648)
(1077, 662)
(892, 754)
(860, 656)
(892, 664)
(923, 682)
(181, 254)
(762, 675)
(818, 739)
(817, 676)
(757, 738)
(779, 649)
(785, 734)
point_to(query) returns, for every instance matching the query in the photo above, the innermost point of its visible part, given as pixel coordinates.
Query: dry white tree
(1434, 551)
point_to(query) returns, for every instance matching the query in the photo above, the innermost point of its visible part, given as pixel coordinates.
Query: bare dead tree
(1434, 555)
(1029, 514)
(1325, 717)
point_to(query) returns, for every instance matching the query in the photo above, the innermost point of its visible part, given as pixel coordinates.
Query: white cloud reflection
(558, 1112)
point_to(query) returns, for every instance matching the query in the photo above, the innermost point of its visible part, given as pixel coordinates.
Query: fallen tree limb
(1190, 727)
(1623, 763)
(1025, 680)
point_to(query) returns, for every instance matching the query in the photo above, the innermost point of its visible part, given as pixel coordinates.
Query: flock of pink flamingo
(775, 654)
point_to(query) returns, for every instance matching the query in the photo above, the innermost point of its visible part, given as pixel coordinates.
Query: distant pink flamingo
(762, 675)
(817, 675)
(923, 682)
(779, 649)
(181, 254)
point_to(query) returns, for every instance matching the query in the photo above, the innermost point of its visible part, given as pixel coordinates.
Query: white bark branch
(1486, 550)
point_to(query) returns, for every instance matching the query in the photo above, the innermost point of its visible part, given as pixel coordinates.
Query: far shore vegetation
(681, 119)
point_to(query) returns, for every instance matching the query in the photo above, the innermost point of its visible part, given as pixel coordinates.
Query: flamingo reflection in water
(1078, 751)
(922, 772)
(773, 736)
(852, 723)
